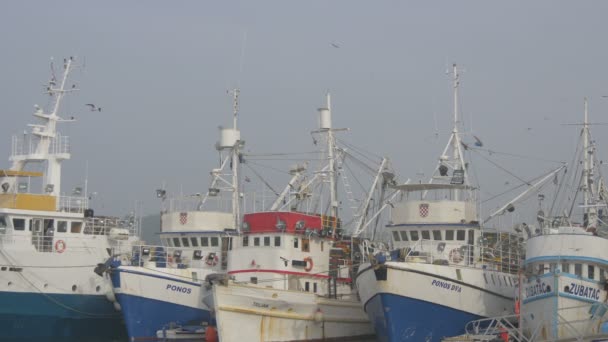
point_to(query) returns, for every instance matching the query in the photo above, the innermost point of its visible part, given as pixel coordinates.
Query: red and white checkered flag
(424, 209)
(183, 218)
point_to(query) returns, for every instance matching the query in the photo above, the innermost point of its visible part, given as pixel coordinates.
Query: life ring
(309, 264)
(212, 261)
(60, 246)
(455, 255)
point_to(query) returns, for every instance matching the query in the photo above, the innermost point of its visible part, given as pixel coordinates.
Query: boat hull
(151, 301)
(58, 316)
(420, 302)
(271, 315)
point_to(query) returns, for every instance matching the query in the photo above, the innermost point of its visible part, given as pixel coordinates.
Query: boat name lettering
(537, 290)
(179, 289)
(260, 305)
(446, 285)
(583, 291)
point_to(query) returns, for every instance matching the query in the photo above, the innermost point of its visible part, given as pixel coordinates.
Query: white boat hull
(266, 314)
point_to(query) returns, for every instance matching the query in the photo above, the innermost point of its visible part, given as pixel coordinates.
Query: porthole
(74, 287)
(46, 285)
(98, 288)
(10, 283)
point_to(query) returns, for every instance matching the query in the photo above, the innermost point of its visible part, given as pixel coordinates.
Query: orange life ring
(455, 255)
(309, 264)
(212, 261)
(60, 246)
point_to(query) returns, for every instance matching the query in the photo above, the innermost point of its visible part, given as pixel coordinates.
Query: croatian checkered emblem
(424, 210)
(183, 218)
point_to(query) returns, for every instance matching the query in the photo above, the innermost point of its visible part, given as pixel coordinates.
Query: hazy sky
(160, 71)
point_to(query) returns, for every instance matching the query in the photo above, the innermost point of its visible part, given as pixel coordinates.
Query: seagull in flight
(336, 45)
(93, 107)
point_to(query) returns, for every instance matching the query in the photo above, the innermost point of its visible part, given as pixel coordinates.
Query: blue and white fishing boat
(564, 291)
(444, 269)
(165, 285)
(50, 242)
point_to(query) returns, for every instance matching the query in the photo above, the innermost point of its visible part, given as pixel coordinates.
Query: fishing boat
(289, 273)
(564, 293)
(50, 242)
(444, 268)
(166, 285)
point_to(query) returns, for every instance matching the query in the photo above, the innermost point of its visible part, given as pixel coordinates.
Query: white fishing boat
(50, 242)
(564, 291)
(289, 272)
(165, 285)
(444, 269)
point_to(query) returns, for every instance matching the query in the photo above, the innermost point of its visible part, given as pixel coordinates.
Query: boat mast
(457, 161)
(235, 162)
(587, 177)
(325, 126)
(46, 144)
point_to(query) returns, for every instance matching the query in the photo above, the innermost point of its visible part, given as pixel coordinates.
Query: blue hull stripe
(397, 318)
(145, 316)
(58, 316)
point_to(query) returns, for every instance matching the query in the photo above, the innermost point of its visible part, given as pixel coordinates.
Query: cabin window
(436, 234)
(256, 241)
(49, 224)
(194, 276)
(510, 282)
(404, 235)
(295, 243)
(277, 241)
(578, 269)
(204, 242)
(169, 242)
(76, 227)
(314, 287)
(426, 235)
(19, 224)
(485, 277)
(36, 225)
(215, 241)
(566, 268)
(185, 242)
(552, 267)
(414, 235)
(541, 269)
(590, 272)
(245, 241)
(305, 245)
(267, 241)
(602, 275)
(2, 224)
(449, 235)
(493, 280)
(307, 286)
(396, 235)
(62, 226)
(499, 281)
(460, 235)
(194, 241)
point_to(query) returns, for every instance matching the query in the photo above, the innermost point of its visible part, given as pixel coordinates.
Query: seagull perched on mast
(93, 107)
